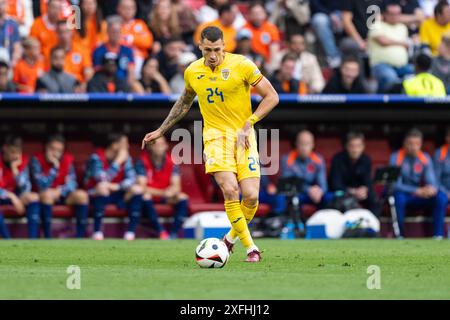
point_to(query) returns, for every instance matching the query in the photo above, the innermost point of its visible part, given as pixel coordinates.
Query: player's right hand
(151, 137)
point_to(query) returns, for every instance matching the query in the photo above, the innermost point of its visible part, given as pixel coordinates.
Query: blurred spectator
(15, 182)
(440, 66)
(417, 187)
(56, 80)
(77, 61)
(144, 8)
(92, 31)
(283, 79)
(442, 166)
(168, 57)
(161, 180)
(351, 172)
(290, 16)
(424, 83)
(177, 83)
(28, 69)
(265, 35)
(432, 29)
(209, 12)
(244, 47)
(346, 79)
(308, 165)
(307, 67)
(53, 177)
(135, 33)
(326, 21)
(225, 23)
(65, 11)
(10, 47)
(187, 20)
(152, 80)
(22, 12)
(110, 179)
(108, 7)
(125, 69)
(412, 14)
(164, 23)
(6, 85)
(388, 44)
(268, 194)
(105, 79)
(44, 27)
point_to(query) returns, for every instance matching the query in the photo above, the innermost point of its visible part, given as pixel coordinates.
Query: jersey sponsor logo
(225, 74)
(213, 78)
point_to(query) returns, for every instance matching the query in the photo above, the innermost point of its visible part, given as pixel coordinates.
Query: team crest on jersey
(225, 74)
(76, 58)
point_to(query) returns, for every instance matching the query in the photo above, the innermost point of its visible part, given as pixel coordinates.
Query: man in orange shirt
(77, 61)
(66, 9)
(30, 67)
(225, 23)
(135, 33)
(44, 27)
(266, 37)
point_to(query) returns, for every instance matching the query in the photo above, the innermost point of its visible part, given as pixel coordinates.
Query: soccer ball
(211, 253)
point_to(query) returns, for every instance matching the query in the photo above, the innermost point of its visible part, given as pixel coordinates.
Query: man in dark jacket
(351, 172)
(106, 80)
(346, 79)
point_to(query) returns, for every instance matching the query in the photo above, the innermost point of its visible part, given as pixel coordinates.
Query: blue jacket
(442, 168)
(415, 171)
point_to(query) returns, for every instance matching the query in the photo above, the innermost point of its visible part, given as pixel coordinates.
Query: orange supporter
(45, 33)
(263, 37)
(25, 75)
(16, 10)
(229, 34)
(93, 37)
(136, 34)
(76, 61)
(66, 10)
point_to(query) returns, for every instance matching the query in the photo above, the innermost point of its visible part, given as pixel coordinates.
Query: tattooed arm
(178, 111)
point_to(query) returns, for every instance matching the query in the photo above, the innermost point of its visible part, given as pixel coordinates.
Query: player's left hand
(243, 136)
(151, 137)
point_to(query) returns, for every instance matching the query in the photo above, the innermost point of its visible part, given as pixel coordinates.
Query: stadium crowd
(303, 47)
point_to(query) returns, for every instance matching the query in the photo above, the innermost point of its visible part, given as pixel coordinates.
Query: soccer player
(160, 179)
(15, 185)
(442, 168)
(110, 178)
(53, 176)
(222, 82)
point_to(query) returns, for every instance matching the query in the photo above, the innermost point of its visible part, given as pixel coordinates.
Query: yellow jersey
(424, 85)
(223, 94)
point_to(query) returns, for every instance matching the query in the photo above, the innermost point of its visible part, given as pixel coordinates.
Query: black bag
(343, 202)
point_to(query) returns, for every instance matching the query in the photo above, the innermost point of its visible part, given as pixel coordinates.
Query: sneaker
(164, 235)
(228, 244)
(130, 236)
(254, 256)
(98, 235)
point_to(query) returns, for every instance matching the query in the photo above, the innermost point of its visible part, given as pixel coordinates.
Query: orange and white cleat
(254, 256)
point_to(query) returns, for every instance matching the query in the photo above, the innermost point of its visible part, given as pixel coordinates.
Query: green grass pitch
(291, 269)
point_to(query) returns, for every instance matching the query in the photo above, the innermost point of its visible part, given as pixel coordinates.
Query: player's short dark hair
(353, 135)
(423, 62)
(4, 64)
(12, 140)
(439, 8)
(389, 3)
(414, 133)
(256, 3)
(56, 137)
(212, 34)
(349, 58)
(225, 8)
(113, 137)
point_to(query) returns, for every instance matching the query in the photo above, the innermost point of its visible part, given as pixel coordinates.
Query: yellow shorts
(222, 154)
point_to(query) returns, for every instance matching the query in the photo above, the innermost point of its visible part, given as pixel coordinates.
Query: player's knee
(46, 197)
(251, 197)
(102, 189)
(182, 196)
(80, 197)
(29, 197)
(230, 191)
(146, 196)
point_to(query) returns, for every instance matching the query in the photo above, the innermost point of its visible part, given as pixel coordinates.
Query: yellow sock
(249, 213)
(238, 223)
